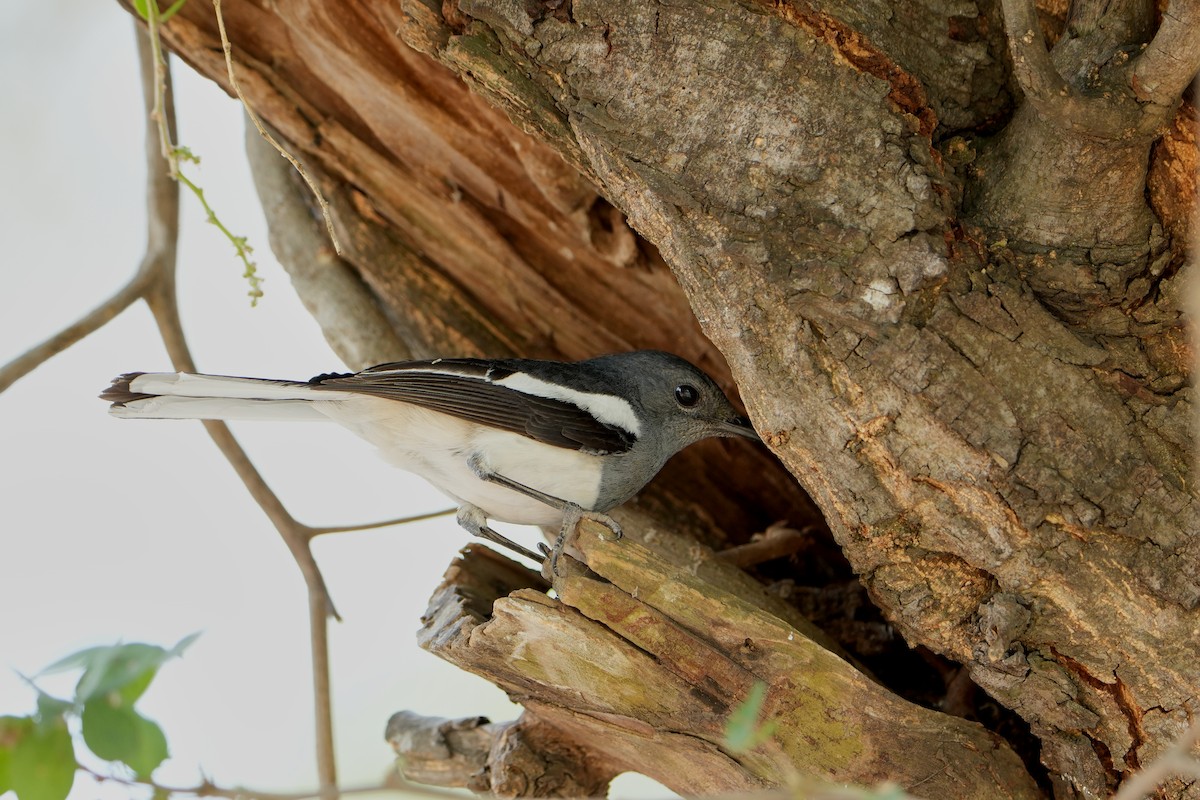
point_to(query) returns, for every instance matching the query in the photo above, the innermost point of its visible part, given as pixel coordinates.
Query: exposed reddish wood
(476, 238)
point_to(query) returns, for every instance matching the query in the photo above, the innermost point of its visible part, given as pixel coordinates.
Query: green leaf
(183, 644)
(77, 660)
(743, 731)
(140, 7)
(42, 765)
(124, 668)
(171, 10)
(50, 710)
(12, 731)
(184, 153)
(115, 732)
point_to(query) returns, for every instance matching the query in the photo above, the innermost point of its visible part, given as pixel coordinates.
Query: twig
(154, 282)
(225, 45)
(161, 297)
(318, 627)
(172, 153)
(241, 249)
(158, 112)
(311, 532)
(207, 788)
(33, 358)
(1177, 760)
(776, 542)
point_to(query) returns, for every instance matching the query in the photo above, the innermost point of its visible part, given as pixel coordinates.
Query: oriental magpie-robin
(514, 440)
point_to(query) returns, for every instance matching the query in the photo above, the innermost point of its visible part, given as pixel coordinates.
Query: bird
(516, 440)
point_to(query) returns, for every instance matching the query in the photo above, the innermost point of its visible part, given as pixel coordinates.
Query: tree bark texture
(946, 277)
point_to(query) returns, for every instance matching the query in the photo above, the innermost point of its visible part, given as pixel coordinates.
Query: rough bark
(1011, 496)
(984, 390)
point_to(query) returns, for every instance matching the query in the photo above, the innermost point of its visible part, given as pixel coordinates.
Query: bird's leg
(572, 512)
(474, 521)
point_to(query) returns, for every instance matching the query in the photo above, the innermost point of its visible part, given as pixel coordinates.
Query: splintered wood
(639, 662)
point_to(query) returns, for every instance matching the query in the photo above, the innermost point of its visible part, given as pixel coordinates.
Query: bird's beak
(739, 426)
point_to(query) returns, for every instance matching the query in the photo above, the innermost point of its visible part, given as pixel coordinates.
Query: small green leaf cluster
(37, 751)
(743, 731)
(177, 155)
(140, 6)
(241, 249)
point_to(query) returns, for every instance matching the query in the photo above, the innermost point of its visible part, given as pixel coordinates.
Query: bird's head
(678, 402)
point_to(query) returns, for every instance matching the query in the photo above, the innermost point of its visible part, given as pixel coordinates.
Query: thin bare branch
(207, 788)
(776, 542)
(266, 135)
(318, 624)
(33, 358)
(163, 208)
(799, 788)
(1170, 62)
(311, 532)
(162, 232)
(160, 79)
(154, 282)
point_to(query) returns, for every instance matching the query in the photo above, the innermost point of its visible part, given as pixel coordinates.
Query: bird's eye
(686, 395)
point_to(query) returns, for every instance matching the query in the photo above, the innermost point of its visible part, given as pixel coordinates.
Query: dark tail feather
(119, 392)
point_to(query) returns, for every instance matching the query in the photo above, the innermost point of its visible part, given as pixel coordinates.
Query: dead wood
(641, 662)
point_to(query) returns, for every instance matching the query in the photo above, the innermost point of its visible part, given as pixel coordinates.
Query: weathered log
(644, 661)
(523, 758)
(439, 751)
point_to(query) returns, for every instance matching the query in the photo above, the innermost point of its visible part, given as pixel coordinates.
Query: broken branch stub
(640, 663)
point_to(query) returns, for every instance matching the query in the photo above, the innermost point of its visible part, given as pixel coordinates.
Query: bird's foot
(572, 516)
(474, 521)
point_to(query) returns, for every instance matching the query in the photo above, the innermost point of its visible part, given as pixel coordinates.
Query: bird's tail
(183, 395)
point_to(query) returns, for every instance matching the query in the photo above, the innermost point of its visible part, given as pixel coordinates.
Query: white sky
(138, 530)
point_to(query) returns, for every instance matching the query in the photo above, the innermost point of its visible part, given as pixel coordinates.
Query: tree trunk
(953, 315)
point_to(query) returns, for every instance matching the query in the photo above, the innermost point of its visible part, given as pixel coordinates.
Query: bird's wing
(471, 389)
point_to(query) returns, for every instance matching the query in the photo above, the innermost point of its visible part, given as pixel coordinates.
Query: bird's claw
(608, 522)
(572, 515)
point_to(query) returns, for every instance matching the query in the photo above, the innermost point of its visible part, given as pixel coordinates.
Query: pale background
(138, 530)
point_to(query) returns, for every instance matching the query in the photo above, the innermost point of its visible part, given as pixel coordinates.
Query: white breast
(437, 446)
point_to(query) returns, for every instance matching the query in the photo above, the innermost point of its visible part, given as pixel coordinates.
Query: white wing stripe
(607, 408)
(426, 369)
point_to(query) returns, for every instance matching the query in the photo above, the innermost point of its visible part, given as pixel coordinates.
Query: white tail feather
(182, 395)
(222, 408)
(185, 384)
